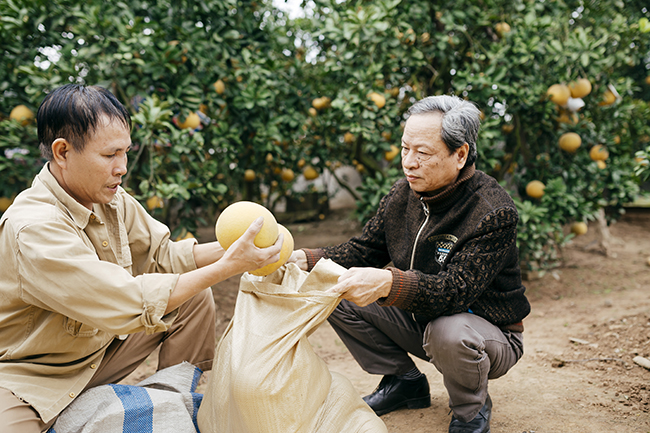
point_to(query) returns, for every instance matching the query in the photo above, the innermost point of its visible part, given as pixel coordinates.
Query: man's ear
(462, 153)
(60, 149)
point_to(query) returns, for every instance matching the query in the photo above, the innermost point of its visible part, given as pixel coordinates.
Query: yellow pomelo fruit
(285, 253)
(378, 99)
(22, 115)
(287, 174)
(235, 220)
(570, 142)
(320, 103)
(580, 88)
(219, 87)
(392, 153)
(608, 98)
(154, 202)
(249, 175)
(349, 137)
(535, 189)
(559, 93)
(579, 228)
(312, 111)
(569, 117)
(647, 79)
(5, 202)
(601, 164)
(192, 121)
(310, 173)
(502, 28)
(599, 153)
(507, 128)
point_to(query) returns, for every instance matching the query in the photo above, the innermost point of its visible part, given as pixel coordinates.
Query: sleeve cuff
(156, 292)
(403, 291)
(313, 256)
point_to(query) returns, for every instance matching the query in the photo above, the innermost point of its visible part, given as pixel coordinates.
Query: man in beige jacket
(91, 283)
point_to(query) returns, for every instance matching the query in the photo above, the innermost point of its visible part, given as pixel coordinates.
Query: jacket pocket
(78, 329)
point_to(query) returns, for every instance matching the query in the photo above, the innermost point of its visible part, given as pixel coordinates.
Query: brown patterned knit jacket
(450, 253)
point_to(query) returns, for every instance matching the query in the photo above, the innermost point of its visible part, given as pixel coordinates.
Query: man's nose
(120, 169)
(409, 160)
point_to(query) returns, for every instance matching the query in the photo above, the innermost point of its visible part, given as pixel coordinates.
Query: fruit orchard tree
(233, 100)
(510, 58)
(213, 87)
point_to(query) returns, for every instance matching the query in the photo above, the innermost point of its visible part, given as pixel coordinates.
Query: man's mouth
(410, 177)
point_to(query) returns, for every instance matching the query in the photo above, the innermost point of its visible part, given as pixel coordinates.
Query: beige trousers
(192, 338)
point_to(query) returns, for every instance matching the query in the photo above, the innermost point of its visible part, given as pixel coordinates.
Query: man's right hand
(246, 256)
(242, 256)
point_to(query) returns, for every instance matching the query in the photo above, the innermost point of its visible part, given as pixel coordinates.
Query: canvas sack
(266, 377)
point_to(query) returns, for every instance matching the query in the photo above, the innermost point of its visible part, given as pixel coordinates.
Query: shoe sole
(416, 403)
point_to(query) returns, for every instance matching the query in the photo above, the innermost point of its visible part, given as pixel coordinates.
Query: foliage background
(163, 58)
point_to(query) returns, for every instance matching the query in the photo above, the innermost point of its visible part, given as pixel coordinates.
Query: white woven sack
(266, 377)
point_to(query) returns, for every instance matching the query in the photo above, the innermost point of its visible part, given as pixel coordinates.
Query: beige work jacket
(73, 280)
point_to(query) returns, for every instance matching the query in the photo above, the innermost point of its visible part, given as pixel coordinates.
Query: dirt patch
(590, 318)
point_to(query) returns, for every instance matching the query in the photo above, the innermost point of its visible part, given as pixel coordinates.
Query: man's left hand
(363, 286)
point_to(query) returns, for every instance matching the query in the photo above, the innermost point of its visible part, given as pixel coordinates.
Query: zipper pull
(425, 207)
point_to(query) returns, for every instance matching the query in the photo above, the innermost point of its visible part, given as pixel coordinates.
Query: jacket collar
(451, 192)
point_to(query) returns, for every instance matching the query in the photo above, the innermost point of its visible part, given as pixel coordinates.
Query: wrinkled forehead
(423, 128)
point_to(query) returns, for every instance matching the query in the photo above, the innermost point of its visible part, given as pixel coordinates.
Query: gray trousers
(465, 348)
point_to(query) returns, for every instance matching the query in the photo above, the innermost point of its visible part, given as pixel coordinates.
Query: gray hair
(460, 121)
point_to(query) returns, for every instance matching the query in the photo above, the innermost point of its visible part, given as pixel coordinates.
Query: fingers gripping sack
(266, 377)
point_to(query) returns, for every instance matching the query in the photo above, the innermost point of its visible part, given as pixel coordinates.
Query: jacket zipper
(426, 219)
(415, 243)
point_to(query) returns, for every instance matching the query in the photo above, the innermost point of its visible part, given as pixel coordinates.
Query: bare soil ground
(589, 319)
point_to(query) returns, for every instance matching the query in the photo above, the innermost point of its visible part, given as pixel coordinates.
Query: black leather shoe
(480, 423)
(393, 393)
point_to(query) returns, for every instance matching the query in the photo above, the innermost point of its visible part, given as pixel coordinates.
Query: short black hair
(73, 112)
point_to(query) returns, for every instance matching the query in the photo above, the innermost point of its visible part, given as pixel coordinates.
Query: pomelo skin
(235, 220)
(285, 253)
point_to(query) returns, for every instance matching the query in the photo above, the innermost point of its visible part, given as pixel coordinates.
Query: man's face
(426, 161)
(93, 175)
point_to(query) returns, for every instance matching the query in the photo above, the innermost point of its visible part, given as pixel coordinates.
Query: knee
(343, 313)
(202, 305)
(449, 337)
(206, 301)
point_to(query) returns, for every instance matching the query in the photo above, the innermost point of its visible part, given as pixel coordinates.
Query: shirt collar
(79, 213)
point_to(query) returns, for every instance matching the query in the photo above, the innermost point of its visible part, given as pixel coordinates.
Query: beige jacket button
(71, 395)
(93, 366)
(105, 243)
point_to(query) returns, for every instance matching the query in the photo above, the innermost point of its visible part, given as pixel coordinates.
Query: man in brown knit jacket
(435, 273)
